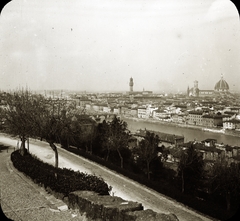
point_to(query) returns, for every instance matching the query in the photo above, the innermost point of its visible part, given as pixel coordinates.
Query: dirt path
(122, 186)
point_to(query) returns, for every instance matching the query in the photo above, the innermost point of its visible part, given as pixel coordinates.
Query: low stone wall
(109, 208)
(150, 215)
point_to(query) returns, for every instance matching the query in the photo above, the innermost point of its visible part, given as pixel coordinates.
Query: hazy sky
(97, 45)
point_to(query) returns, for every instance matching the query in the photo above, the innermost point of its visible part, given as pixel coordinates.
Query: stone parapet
(108, 208)
(150, 215)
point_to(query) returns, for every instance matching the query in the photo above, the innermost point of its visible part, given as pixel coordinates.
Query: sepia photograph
(120, 110)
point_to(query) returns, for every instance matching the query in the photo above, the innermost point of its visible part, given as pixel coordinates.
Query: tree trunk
(23, 150)
(91, 146)
(28, 144)
(107, 154)
(68, 142)
(228, 201)
(54, 148)
(182, 182)
(148, 170)
(120, 158)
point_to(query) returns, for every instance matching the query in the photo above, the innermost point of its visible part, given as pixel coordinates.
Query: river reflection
(189, 134)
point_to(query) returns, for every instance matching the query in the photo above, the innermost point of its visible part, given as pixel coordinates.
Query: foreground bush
(59, 180)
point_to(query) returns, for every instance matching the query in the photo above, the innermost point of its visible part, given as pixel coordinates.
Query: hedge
(59, 180)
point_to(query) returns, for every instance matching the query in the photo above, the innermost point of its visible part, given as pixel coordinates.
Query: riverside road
(121, 186)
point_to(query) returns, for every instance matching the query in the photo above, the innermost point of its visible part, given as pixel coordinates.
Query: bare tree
(54, 123)
(19, 112)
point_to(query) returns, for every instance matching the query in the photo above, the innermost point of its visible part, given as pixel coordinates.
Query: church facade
(220, 87)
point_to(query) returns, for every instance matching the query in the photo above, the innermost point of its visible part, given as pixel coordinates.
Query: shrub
(59, 180)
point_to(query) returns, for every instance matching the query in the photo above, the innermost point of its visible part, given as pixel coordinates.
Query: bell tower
(195, 89)
(131, 84)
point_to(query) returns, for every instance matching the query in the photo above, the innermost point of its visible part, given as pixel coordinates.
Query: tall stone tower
(131, 84)
(195, 84)
(195, 89)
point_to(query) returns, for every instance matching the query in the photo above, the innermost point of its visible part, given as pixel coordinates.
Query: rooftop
(171, 138)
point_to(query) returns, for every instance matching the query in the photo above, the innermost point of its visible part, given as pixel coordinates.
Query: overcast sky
(97, 45)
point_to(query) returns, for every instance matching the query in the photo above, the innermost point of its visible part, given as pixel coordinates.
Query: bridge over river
(101, 117)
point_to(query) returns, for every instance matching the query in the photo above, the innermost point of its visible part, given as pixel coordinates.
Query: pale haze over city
(97, 45)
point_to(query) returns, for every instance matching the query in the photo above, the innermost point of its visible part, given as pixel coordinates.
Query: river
(188, 133)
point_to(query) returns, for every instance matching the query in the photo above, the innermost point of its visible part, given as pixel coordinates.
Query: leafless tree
(19, 113)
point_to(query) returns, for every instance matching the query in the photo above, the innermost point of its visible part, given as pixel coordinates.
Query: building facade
(220, 86)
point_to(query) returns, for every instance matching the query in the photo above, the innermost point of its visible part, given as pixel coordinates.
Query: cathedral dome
(221, 85)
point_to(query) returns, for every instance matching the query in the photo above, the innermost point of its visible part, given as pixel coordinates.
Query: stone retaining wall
(112, 208)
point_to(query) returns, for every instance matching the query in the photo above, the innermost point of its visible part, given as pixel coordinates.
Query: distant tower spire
(195, 89)
(196, 84)
(131, 84)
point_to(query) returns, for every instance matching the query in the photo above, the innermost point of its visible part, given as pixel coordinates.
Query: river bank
(183, 129)
(151, 120)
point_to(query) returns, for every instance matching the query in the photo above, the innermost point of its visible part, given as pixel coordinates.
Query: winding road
(121, 186)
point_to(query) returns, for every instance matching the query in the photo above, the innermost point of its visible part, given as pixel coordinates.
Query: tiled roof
(171, 138)
(212, 116)
(196, 112)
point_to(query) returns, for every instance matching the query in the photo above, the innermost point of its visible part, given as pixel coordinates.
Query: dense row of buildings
(190, 112)
(216, 108)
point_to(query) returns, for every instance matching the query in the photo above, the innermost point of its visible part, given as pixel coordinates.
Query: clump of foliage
(59, 180)
(114, 137)
(225, 182)
(190, 169)
(147, 153)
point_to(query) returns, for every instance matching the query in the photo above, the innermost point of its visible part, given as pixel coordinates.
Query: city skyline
(98, 45)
